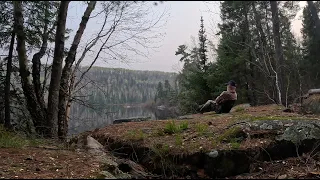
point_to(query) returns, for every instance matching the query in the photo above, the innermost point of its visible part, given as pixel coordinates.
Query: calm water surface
(84, 119)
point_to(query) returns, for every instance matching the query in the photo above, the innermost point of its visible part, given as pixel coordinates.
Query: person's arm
(221, 97)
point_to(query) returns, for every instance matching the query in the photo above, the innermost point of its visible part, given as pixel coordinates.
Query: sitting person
(224, 102)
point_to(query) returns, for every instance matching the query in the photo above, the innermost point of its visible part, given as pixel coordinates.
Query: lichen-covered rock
(300, 132)
(311, 104)
(289, 130)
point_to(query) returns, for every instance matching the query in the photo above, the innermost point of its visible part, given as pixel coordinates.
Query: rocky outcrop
(111, 167)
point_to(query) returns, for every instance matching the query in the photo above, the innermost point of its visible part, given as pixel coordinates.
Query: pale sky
(182, 20)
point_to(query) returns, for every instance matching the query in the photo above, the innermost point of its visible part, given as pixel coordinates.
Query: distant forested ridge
(121, 86)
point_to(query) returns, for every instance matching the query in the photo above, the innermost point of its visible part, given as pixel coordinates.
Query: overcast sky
(182, 22)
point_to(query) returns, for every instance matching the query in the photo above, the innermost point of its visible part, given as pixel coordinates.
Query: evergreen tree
(311, 46)
(202, 47)
(193, 77)
(160, 92)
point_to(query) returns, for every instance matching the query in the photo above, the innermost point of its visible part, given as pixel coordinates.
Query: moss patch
(257, 118)
(234, 134)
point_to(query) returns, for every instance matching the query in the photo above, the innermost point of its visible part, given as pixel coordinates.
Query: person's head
(231, 85)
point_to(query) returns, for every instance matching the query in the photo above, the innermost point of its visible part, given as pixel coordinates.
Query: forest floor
(183, 137)
(22, 158)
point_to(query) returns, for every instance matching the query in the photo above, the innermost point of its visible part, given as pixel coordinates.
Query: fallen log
(134, 119)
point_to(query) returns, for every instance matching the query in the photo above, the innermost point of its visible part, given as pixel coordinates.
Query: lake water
(84, 118)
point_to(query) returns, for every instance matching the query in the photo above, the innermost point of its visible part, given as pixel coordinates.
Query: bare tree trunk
(66, 72)
(278, 48)
(36, 112)
(53, 99)
(7, 121)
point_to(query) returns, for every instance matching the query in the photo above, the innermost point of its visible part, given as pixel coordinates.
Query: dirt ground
(41, 163)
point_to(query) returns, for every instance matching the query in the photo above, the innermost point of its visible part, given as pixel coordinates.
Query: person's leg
(213, 106)
(207, 106)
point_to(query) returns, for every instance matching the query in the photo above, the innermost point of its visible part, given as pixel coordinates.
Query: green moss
(242, 117)
(235, 145)
(239, 109)
(259, 118)
(231, 135)
(250, 117)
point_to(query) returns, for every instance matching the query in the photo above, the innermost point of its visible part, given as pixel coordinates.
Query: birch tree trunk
(53, 98)
(278, 50)
(66, 72)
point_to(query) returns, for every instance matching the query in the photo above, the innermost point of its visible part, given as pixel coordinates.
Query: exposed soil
(297, 168)
(41, 163)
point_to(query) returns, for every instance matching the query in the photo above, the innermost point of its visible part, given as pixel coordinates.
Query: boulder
(311, 104)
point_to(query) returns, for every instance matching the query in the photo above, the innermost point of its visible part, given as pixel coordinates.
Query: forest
(122, 86)
(256, 49)
(42, 76)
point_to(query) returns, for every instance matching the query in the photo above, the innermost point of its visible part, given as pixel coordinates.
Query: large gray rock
(311, 104)
(289, 130)
(94, 147)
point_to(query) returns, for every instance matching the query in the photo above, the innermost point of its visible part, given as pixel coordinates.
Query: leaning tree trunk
(7, 121)
(278, 48)
(35, 110)
(53, 98)
(66, 72)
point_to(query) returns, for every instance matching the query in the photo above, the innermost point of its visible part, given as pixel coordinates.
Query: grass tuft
(201, 128)
(11, 139)
(172, 127)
